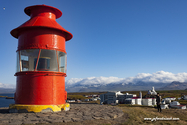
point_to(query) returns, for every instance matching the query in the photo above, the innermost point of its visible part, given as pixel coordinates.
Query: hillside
(175, 86)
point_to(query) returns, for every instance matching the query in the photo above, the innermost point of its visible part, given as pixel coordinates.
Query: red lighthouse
(41, 62)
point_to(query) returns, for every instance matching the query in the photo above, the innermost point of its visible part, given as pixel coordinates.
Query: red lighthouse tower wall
(41, 46)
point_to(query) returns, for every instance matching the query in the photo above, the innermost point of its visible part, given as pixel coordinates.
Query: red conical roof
(42, 16)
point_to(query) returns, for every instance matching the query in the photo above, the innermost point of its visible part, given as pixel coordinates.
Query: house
(153, 101)
(164, 106)
(70, 100)
(94, 96)
(147, 101)
(181, 106)
(93, 99)
(184, 97)
(87, 100)
(176, 104)
(167, 100)
(137, 100)
(130, 101)
(170, 98)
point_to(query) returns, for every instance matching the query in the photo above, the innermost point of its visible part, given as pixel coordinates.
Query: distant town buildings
(116, 97)
(184, 97)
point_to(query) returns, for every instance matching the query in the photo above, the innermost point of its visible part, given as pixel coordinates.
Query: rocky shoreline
(77, 113)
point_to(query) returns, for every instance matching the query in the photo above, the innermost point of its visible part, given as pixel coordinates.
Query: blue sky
(110, 38)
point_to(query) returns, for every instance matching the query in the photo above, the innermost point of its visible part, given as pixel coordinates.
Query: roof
(136, 98)
(42, 16)
(179, 105)
(56, 11)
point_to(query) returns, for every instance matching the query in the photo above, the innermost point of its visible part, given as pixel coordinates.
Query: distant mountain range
(161, 80)
(140, 86)
(7, 90)
(143, 81)
(176, 86)
(114, 87)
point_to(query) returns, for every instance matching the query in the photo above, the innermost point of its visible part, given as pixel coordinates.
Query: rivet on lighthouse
(41, 62)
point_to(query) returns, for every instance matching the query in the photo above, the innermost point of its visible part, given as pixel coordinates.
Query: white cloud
(160, 76)
(93, 80)
(7, 85)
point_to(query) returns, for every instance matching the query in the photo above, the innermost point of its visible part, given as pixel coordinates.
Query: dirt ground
(117, 121)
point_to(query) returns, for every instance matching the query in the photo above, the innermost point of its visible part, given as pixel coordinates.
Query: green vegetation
(182, 102)
(74, 97)
(163, 93)
(86, 93)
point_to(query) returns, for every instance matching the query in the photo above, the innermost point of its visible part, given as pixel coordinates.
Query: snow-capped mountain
(142, 81)
(7, 88)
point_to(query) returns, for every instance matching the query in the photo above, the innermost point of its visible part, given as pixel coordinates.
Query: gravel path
(77, 113)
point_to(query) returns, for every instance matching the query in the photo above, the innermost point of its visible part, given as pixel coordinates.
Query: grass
(74, 97)
(182, 102)
(138, 113)
(163, 93)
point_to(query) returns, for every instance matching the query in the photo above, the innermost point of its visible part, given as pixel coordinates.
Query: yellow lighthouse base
(18, 108)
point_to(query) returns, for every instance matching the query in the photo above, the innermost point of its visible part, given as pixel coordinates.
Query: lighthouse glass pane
(47, 61)
(27, 59)
(62, 61)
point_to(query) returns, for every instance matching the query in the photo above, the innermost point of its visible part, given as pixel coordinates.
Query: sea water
(6, 102)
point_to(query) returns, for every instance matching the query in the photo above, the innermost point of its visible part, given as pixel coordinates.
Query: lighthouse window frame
(41, 60)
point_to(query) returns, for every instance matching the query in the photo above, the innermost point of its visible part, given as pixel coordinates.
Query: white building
(70, 100)
(176, 104)
(115, 97)
(170, 98)
(147, 101)
(87, 100)
(118, 97)
(138, 101)
(109, 97)
(129, 101)
(185, 97)
(164, 106)
(152, 92)
(167, 100)
(153, 101)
